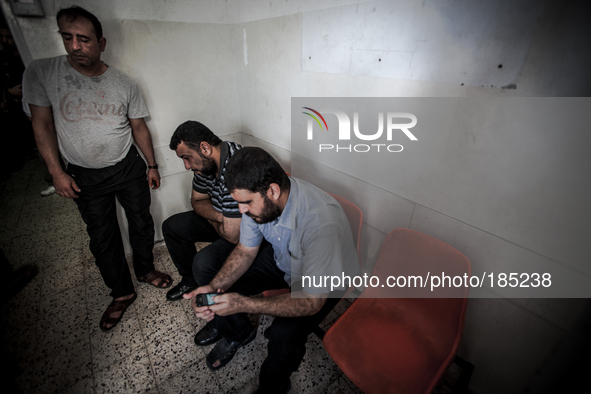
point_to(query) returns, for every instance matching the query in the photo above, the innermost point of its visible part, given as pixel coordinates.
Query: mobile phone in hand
(206, 299)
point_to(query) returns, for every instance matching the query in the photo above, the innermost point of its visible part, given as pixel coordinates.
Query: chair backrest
(355, 217)
(388, 339)
(406, 252)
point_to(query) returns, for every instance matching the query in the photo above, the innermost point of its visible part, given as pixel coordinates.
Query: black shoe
(177, 292)
(225, 350)
(18, 279)
(207, 335)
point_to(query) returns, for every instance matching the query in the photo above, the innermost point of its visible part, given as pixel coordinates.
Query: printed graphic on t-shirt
(73, 108)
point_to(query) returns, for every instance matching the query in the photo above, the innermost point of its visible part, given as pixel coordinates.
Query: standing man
(92, 113)
(17, 135)
(310, 237)
(215, 216)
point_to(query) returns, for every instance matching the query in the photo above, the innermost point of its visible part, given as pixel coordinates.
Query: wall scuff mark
(245, 48)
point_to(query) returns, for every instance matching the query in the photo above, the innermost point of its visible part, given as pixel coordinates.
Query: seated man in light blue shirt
(310, 237)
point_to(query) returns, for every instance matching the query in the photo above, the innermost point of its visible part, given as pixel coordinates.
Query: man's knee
(208, 261)
(167, 227)
(102, 241)
(173, 225)
(283, 330)
(204, 266)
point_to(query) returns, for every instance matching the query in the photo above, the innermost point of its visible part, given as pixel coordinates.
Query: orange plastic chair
(355, 217)
(402, 345)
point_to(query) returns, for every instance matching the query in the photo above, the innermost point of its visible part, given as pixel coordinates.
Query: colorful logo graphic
(315, 118)
(387, 125)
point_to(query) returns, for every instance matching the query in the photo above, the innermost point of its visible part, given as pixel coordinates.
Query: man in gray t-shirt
(92, 114)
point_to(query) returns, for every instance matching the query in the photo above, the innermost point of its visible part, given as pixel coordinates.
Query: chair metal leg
(461, 386)
(319, 332)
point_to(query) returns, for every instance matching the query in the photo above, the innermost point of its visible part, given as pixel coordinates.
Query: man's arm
(322, 257)
(229, 228)
(235, 266)
(143, 139)
(46, 139)
(201, 203)
(284, 305)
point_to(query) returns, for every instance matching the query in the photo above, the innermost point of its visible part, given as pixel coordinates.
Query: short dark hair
(75, 12)
(193, 133)
(254, 169)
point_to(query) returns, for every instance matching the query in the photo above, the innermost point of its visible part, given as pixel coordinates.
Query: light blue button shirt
(277, 233)
(312, 237)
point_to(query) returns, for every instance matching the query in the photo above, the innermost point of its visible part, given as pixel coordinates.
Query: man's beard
(210, 168)
(270, 212)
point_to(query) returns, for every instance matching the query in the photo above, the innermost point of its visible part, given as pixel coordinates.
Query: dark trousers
(181, 231)
(287, 346)
(126, 181)
(287, 336)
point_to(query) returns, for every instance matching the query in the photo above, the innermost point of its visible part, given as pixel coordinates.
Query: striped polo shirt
(215, 187)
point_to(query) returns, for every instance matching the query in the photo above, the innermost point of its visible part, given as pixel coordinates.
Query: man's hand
(153, 178)
(16, 90)
(228, 304)
(202, 312)
(143, 139)
(65, 186)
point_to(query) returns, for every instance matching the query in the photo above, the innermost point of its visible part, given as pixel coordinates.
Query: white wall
(504, 199)
(235, 66)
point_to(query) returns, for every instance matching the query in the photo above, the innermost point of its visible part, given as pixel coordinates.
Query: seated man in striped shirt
(215, 216)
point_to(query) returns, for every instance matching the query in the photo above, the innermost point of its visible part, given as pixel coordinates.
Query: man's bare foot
(157, 279)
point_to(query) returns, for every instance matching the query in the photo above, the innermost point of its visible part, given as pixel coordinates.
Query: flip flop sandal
(114, 307)
(152, 276)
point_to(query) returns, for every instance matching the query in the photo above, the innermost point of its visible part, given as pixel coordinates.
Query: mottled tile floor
(51, 336)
